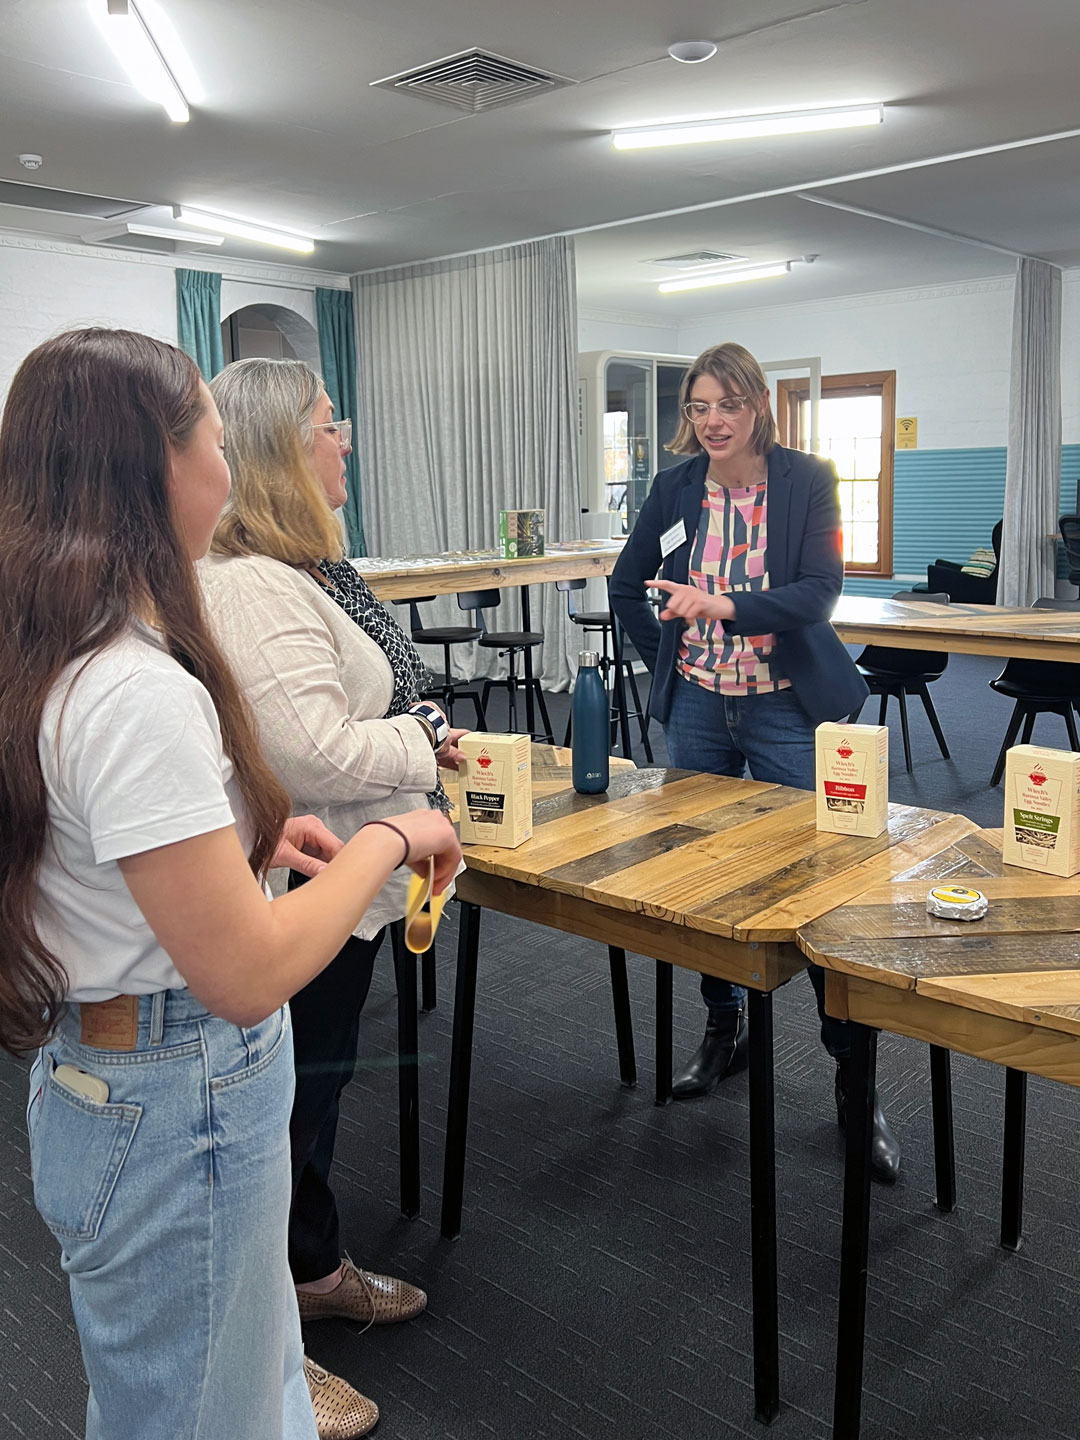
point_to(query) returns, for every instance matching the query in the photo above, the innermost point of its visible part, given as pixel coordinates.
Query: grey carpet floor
(601, 1285)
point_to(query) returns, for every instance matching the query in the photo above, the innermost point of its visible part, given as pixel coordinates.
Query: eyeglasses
(341, 430)
(698, 410)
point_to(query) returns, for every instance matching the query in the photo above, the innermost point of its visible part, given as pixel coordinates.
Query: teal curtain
(337, 351)
(198, 319)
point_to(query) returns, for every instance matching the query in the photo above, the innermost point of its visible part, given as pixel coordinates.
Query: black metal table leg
(763, 1208)
(855, 1242)
(624, 1025)
(408, 1073)
(427, 980)
(457, 1111)
(1012, 1158)
(663, 1032)
(944, 1147)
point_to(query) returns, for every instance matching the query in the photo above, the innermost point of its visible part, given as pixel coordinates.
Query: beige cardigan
(319, 687)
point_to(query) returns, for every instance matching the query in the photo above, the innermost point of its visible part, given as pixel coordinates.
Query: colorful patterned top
(729, 554)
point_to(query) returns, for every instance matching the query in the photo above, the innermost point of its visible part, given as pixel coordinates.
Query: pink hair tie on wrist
(397, 831)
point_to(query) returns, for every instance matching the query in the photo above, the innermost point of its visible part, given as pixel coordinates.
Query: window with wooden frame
(857, 426)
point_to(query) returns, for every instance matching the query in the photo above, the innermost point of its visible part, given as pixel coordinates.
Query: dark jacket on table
(806, 574)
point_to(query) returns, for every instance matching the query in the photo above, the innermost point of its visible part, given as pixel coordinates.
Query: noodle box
(852, 778)
(1042, 809)
(495, 789)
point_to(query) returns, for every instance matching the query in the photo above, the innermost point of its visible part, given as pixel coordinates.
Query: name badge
(672, 539)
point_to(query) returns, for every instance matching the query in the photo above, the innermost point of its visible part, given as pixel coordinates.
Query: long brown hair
(740, 374)
(87, 543)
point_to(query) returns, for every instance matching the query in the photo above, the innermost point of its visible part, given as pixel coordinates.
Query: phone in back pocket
(89, 1086)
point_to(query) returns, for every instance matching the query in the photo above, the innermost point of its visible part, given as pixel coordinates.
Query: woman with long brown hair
(138, 947)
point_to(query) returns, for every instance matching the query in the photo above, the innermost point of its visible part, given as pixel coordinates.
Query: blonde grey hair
(740, 374)
(277, 506)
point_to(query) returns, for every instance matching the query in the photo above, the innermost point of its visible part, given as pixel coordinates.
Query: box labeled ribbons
(1042, 809)
(852, 778)
(521, 533)
(495, 789)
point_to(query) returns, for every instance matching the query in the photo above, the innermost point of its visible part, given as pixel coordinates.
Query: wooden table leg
(624, 1025)
(457, 1110)
(855, 1241)
(1012, 1158)
(664, 973)
(763, 1208)
(408, 1073)
(944, 1147)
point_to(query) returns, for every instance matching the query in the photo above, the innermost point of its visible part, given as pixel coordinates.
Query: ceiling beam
(916, 225)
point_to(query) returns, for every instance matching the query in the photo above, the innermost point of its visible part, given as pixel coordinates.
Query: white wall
(44, 291)
(598, 331)
(47, 286)
(949, 345)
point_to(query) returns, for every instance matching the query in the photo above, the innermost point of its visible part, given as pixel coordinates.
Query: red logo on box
(1037, 777)
(483, 761)
(844, 751)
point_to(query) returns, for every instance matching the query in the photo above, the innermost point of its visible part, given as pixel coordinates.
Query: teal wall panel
(946, 503)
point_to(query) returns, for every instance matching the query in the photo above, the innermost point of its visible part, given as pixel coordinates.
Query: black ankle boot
(884, 1146)
(721, 1053)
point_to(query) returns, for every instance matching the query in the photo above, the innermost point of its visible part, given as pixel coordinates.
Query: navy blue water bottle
(591, 727)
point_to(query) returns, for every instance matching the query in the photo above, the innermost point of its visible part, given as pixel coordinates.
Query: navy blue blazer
(806, 574)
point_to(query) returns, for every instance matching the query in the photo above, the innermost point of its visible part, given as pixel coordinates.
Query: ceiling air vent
(474, 80)
(65, 202)
(696, 259)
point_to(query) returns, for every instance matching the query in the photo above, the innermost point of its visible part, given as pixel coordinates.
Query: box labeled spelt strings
(852, 778)
(495, 789)
(1042, 809)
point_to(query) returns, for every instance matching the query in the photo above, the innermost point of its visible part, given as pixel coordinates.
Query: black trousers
(326, 1024)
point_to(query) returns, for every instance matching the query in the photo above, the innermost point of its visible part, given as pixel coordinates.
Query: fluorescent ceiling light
(743, 127)
(134, 46)
(259, 233)
(727, 277)
(192, 237)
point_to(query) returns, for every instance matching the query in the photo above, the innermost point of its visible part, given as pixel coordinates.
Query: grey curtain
(337, 355)
(198, 319)
(1033, 468)
(468, 406)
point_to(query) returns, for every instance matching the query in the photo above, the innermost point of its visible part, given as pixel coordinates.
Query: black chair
(447, 687)
(948, 576)
(1038, 687)
(598, 622)
(889, 671)
(511, 643)
(1069, 525)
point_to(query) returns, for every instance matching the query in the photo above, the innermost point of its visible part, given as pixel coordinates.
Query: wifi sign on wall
(907, 433)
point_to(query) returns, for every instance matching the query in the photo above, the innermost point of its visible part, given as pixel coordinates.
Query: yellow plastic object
(423, 911)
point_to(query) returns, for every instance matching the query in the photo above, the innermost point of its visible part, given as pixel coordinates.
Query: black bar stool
(511, 643)
(599, 622)
(447, 687)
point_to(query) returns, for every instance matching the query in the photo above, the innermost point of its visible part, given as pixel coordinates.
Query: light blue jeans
(774, 736)
(170, 1203)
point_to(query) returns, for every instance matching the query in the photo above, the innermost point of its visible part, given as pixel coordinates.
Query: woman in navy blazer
(747, 538)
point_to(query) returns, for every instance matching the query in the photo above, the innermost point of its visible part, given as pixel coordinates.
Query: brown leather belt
(110, 1024)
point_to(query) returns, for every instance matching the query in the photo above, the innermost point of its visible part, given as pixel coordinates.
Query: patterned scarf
(355, 597)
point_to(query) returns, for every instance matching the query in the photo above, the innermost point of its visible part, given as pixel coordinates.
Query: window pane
(867, 457)
(864, 502)
(863, 543)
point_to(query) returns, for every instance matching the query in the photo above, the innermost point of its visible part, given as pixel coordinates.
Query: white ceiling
(291, 134)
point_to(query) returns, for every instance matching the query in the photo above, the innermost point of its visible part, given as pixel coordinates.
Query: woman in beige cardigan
(333, 683)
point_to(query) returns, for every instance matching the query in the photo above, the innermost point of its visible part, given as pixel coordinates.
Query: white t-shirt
(131, 753)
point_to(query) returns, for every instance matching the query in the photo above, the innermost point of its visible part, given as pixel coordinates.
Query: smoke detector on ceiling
(474, 80)
(31, 162)
(696, 260)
